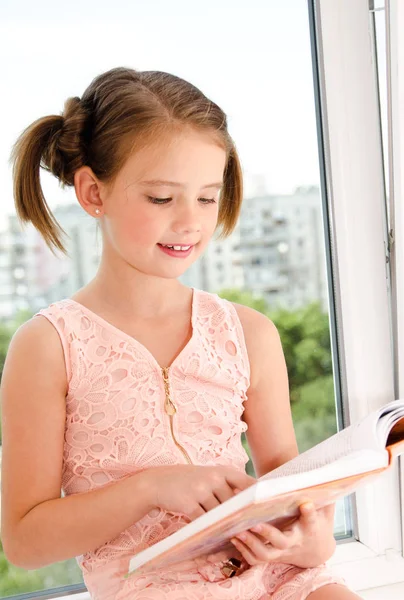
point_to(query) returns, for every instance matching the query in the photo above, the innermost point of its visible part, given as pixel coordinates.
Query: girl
(130, 395)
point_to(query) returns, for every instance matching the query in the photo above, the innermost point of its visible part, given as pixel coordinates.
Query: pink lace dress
(121, 420)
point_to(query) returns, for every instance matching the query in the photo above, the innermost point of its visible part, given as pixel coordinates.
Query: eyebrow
(162, 182)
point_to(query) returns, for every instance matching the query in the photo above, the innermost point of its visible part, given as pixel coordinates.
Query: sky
(252, 57)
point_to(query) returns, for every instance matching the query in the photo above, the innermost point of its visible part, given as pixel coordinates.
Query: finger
(308, 514)
(198, 511)
(295, 532)
(255, 547)
(225, 492)
(253, 543)
(240, 480)
(245, 551)
(328, 511)
(274, 536)
(211, 502)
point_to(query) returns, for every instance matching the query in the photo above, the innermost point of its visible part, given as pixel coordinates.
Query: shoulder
(37, 334)
(261, 338)
(252, 319)
(37, 330)
(34, 348)
(258, 328)
(41, 341)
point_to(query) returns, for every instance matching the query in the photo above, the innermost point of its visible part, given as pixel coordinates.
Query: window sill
(390, 592)
(363, 569)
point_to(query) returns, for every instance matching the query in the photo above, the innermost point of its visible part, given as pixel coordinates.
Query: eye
(158, 200)
(207, 200)
(154, 200)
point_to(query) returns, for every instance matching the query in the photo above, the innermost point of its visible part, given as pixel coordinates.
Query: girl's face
(163, 207)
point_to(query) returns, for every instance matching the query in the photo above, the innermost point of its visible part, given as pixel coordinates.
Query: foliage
(14, 580)
(305, 335)
(246, 298)
(314, 414)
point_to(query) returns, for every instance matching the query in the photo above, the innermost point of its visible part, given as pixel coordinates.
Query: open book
(330, 470)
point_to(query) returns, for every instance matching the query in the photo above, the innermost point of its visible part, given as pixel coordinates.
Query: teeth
(183, 248)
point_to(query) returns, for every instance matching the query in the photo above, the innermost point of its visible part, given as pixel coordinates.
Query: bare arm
(63, 528)
(267, 412)
(270, 433)
(38, 527)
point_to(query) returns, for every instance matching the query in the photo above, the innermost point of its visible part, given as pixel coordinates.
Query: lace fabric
(116, 426)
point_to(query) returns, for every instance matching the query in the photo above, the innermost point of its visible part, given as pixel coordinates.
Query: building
(83, 244)
(31, 276)
(19, 255)
(276, 251)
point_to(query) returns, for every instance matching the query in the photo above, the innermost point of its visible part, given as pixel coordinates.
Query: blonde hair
(118, 112)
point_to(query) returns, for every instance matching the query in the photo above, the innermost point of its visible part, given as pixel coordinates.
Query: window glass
(254, 60)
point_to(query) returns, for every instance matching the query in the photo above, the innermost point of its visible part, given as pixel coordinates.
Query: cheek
(211, 220)
(138, 226)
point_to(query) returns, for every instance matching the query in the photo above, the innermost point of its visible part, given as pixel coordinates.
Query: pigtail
(53, 143)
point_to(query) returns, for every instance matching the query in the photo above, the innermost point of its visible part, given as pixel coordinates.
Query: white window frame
(354, 192)
(395, 62)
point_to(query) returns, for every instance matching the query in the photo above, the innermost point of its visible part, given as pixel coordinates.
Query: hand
(307, 542)
(192, 489)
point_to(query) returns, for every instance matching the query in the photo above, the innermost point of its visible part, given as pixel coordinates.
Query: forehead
(180, 157)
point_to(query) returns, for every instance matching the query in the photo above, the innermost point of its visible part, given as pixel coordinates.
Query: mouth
(176, 247)
(177, 250)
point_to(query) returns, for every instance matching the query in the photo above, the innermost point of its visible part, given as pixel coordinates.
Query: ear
(88, 191)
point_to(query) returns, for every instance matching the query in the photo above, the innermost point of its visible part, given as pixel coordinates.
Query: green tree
(14, 580)
(305, 335)
(247, 298)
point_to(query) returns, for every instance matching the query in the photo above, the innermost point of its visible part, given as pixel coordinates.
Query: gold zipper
(170, 409)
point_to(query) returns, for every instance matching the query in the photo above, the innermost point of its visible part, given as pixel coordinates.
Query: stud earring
(97, 211)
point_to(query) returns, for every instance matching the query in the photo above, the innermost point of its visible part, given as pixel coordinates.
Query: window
(353, 182)
(314, 169)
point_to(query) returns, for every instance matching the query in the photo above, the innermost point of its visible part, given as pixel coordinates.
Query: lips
(177, 250)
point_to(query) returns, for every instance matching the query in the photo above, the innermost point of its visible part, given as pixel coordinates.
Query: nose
(186, 219)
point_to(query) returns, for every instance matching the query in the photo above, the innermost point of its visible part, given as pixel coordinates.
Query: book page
(348, 441)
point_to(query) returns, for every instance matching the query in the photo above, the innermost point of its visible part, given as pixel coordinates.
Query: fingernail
(257, 528)
(242, 536)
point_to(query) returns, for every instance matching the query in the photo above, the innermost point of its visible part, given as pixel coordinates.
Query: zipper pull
(170, 408)
(168, 405)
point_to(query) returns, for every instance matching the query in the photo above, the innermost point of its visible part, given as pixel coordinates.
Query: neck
(122, 288)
